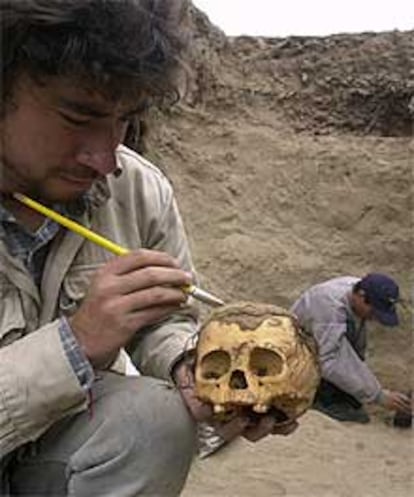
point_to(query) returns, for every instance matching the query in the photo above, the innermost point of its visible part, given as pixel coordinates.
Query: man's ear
(363, 294)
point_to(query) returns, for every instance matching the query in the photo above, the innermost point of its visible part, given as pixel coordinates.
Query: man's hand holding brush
(127, 294)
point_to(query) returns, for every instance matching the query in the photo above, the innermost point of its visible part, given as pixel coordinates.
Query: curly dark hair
(119, 47)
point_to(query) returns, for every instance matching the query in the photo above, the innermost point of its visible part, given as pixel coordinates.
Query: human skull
(255, 356)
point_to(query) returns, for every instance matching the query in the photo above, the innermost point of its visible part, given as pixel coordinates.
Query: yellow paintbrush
(192, 290)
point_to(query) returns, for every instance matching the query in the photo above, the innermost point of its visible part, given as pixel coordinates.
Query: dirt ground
(323, 458)
(292, 162)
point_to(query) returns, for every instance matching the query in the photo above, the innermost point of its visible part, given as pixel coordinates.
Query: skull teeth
(260, 408)
(218, 409)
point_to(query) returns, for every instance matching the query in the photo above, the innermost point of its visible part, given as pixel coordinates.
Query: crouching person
(336, 312)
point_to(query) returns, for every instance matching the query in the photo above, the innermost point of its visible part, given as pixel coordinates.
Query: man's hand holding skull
(255, 372)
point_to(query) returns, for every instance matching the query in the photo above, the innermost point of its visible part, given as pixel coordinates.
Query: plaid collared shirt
(31, 249)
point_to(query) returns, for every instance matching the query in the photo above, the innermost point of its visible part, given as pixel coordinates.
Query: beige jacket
(37, 383)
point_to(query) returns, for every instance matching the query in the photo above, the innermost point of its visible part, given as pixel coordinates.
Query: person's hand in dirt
(396, 401)
(252, 428)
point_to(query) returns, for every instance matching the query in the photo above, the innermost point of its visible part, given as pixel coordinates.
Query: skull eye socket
(265, 362)
(215, 365)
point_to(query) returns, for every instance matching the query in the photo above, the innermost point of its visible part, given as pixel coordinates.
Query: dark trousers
(329, 394)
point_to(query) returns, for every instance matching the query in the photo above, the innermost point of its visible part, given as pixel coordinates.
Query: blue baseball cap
(382, 293)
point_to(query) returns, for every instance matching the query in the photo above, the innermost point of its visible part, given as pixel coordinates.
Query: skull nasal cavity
(238, 380)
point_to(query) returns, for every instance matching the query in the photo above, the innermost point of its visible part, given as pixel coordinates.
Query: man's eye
(73, 120)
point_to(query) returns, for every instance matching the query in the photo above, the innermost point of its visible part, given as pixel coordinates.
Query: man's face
(57, 138)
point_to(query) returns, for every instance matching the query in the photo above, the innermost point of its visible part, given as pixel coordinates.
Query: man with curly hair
(74, 74)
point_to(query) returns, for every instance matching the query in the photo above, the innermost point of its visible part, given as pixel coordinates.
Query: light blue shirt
(324, 311)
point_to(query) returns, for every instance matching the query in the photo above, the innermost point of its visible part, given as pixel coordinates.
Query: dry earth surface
(323, 458)
(292, 161)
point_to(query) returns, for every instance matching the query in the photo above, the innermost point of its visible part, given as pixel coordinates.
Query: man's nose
(97, 150)
(101, 161)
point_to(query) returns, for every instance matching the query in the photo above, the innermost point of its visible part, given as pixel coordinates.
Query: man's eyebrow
(90, 111)
(81, 108)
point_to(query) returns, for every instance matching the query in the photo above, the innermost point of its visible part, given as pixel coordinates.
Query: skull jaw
(226, 404)
(246, 403)
(225, 413)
